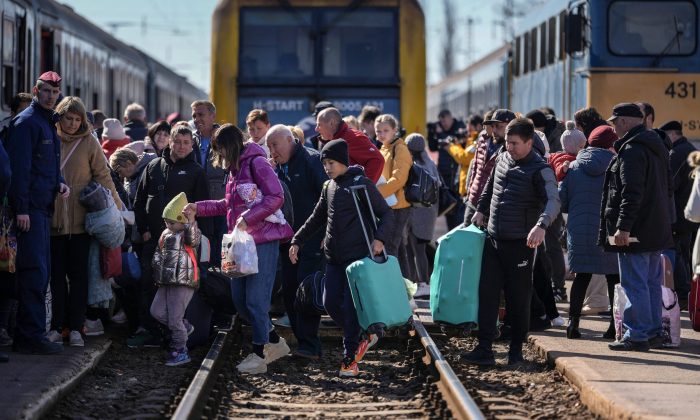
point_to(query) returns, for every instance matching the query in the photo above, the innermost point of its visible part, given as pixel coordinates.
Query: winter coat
(482, 168)
(161, 181)
(581, 193)
(175, 259)
(446, 164)
(87, 163)
(463, 155)
(361, 151)
(5, 171)
(519, 195)
(423, 219)
(345, 241)
(553, 132)
(106, 226)
(637, 196)
(216, 177)
(132, 184)
(682, 183)
(136, 130)
(253, 168)
(34, 150)
(109, 146)
(304, 176)
(397, 165)
(557, 160)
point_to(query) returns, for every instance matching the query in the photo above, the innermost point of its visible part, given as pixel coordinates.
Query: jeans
(69, 281)
(251, 294)
(169, 307)
(304, 326)
(641, 275)
(338, 303)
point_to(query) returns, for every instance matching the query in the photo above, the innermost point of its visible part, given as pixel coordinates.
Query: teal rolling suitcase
(454, 284)
(377, 288)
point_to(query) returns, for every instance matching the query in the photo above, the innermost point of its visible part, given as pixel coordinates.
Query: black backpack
(422, 189)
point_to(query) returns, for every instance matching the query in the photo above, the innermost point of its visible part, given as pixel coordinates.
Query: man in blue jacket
(302, 171)
(34, 149)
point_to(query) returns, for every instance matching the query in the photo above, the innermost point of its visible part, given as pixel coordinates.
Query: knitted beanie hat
(336, 150)
(173, 211)
(572, 140)
(602, 136)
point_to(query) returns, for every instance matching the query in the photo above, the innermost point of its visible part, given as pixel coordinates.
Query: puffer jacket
(638, 194)
(581, 193)
(397, 165)
(557, 160)
(253, 168)
(361, 151)
(482, 168)
(175, 259)
(336, 212)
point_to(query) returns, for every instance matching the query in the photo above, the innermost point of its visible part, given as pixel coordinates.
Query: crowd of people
(615, 189)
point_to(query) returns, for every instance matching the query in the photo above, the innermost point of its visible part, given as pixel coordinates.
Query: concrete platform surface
(657, 384)
(30, 384)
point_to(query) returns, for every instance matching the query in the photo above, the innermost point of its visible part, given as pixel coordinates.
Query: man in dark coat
(636, 222)
(135, 122)
(683, 229)
(34, 149)
(301, 170)
(174, 172)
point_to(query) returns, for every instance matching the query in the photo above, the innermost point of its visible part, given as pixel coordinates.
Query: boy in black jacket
(344, 243)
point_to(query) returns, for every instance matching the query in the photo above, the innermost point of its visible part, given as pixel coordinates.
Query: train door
(13, 56)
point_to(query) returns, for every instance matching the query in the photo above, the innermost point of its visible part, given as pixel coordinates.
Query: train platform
(30, 384)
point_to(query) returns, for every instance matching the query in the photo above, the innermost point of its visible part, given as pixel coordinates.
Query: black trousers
(148, 287)
(69, 280)
(682, 270)
(395, 244)
(555, 253)
(542, 283)
(578, 291)
(507, 266)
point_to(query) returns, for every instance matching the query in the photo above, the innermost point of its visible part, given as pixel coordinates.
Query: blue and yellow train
(574, 54)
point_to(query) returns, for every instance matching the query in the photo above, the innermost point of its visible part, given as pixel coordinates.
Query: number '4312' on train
(574, 54)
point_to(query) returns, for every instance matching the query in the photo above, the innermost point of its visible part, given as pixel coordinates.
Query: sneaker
(365, 345)
(252, 364)
(42, 347)
(558, 322)
(178, 357)
(480, 356)
(657, 342)
(94, 328)
(76, 339)
(54, 337)
(120, 317)
(189, 327)
(349, 368)
(283, 322)
(5, 339)
(276, 351)
(143, 339)
(629, 345)
(423, 291)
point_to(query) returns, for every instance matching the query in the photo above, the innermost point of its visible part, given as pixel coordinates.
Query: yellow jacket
(463, 155)
(397, 164)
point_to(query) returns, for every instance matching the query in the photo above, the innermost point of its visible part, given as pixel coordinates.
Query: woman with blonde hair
(82, 161)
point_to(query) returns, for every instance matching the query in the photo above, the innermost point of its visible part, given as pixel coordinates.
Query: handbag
(131, 267)
(110, 262)
(8, 238)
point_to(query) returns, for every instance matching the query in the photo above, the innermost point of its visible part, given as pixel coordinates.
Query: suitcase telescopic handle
(353, 191)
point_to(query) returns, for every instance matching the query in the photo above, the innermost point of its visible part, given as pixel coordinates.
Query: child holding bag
(176, 273)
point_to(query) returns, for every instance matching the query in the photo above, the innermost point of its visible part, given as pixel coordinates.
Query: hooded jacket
(397, 165)
(175, 259)
(682, 183)
(361, 151)
(345, 241)
(637, 196)
(87, 163)
(580, 193)
(34, 150)
(254, 168)
(160, 182)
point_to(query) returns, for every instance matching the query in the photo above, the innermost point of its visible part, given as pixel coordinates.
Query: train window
(533, 49)
(543, 44)
(517, 58)
(526, 53)
(552, 40)
(673, 23)
(562, 35)
(275, 43)
(362, 43)
(8, 41)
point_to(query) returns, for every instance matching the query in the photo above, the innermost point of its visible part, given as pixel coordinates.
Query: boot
(572, 329)
(610, 333)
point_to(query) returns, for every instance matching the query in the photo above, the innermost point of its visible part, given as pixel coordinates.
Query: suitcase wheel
(379, 329)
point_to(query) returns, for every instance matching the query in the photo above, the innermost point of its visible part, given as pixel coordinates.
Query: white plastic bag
(619, 303)
(239, 256)
(670, 318)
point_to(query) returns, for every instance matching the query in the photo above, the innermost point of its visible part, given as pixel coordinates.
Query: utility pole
(448, 50)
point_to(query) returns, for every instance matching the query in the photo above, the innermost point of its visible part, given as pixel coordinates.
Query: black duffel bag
(215, 290)
(309, 298)
(422, 189)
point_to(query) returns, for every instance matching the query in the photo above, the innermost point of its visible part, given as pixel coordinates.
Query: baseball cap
(320, 106)
(50, 77)
(626, 109)
(671, 126)
(501, 115)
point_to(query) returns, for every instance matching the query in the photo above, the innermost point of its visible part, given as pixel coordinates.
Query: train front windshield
(652, 28)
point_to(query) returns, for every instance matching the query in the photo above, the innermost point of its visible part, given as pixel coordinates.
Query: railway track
(405, 377)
